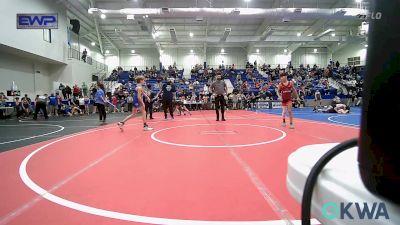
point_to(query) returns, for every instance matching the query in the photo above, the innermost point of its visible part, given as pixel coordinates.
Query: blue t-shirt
(99, 97)
(53, 100)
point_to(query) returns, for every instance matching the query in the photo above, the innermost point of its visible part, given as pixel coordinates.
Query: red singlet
(286, 93)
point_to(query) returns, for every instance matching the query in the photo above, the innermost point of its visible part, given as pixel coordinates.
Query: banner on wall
(37, 21)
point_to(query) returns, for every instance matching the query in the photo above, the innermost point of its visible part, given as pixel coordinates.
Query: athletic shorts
(286, 103)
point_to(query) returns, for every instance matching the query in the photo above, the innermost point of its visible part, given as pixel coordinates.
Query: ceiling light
(130, 17)
(258, 50)
(358, 1)
(315, 50)
(298, 34)
(144, 17)
(92, 10)
(247, 0)
(103, 16)
(309, 35)
(93, 43)
(147, 16)
(366, 46)
(333, 34)
(133, 51)
(191, 50)
(285, 50)
(222, 50)
(191, 34)
(107, 51)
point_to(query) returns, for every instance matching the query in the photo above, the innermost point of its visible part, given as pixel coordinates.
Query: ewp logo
(37, 21)
(332, 211)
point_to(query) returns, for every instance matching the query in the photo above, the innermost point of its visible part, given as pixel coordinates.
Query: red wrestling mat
(192, 170)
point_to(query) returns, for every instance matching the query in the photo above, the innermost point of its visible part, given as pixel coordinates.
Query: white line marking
(117, 215)
(264, 191)
(212, 132)
(36, 136)
(31, 203)
(335, 121)
(153, 136)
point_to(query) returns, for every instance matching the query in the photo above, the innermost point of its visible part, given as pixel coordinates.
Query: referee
(168, 91)
(40, 105)
(219, 90)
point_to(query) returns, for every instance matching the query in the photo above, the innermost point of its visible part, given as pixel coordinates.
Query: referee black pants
(149, 109)
(40, 106)
(167, 105)
(220, 104)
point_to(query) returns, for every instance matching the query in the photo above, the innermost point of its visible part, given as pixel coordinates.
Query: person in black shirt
(148, 103)
(168, 95)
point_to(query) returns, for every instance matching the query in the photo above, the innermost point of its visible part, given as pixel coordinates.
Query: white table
(338, 182)
(7, 111)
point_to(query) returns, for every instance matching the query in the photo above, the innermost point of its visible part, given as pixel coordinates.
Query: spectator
(18, 108)
(53, 109)
(84, 89)
(3, 99)
(84, 55)
(68, 91)
(76, 92)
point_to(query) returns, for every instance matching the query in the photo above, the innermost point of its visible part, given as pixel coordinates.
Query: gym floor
(191, 170)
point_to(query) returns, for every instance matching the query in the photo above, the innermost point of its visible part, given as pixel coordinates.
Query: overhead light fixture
(103, 16)
(191, 34)
(247, 0)
(333, 34)
(147, 16)
(144, 17)
(222, 50)
(130, 17)
(107, 51)
(92, 10)
(309, 35)
(93, 43)
(298, 10)
(366, 46)
(226, 34)
(258, 50)
(133, 51)
(172, 32)
(298, 34)
(285, 50)
(358, 1)
(191, 50)
(315, 50)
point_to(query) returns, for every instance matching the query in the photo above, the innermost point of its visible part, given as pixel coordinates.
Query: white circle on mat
(153, 136)
(124, 216)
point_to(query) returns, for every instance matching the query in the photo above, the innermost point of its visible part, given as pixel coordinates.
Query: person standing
(100, 100)
(84, 55)
(285, 90)
(84, 89)
(219, 90)
(138, 105)
(168, 95)
(149, 102)
(53, 105)
(40, 105)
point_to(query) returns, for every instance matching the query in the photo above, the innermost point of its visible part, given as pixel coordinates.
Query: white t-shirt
(81, 101)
